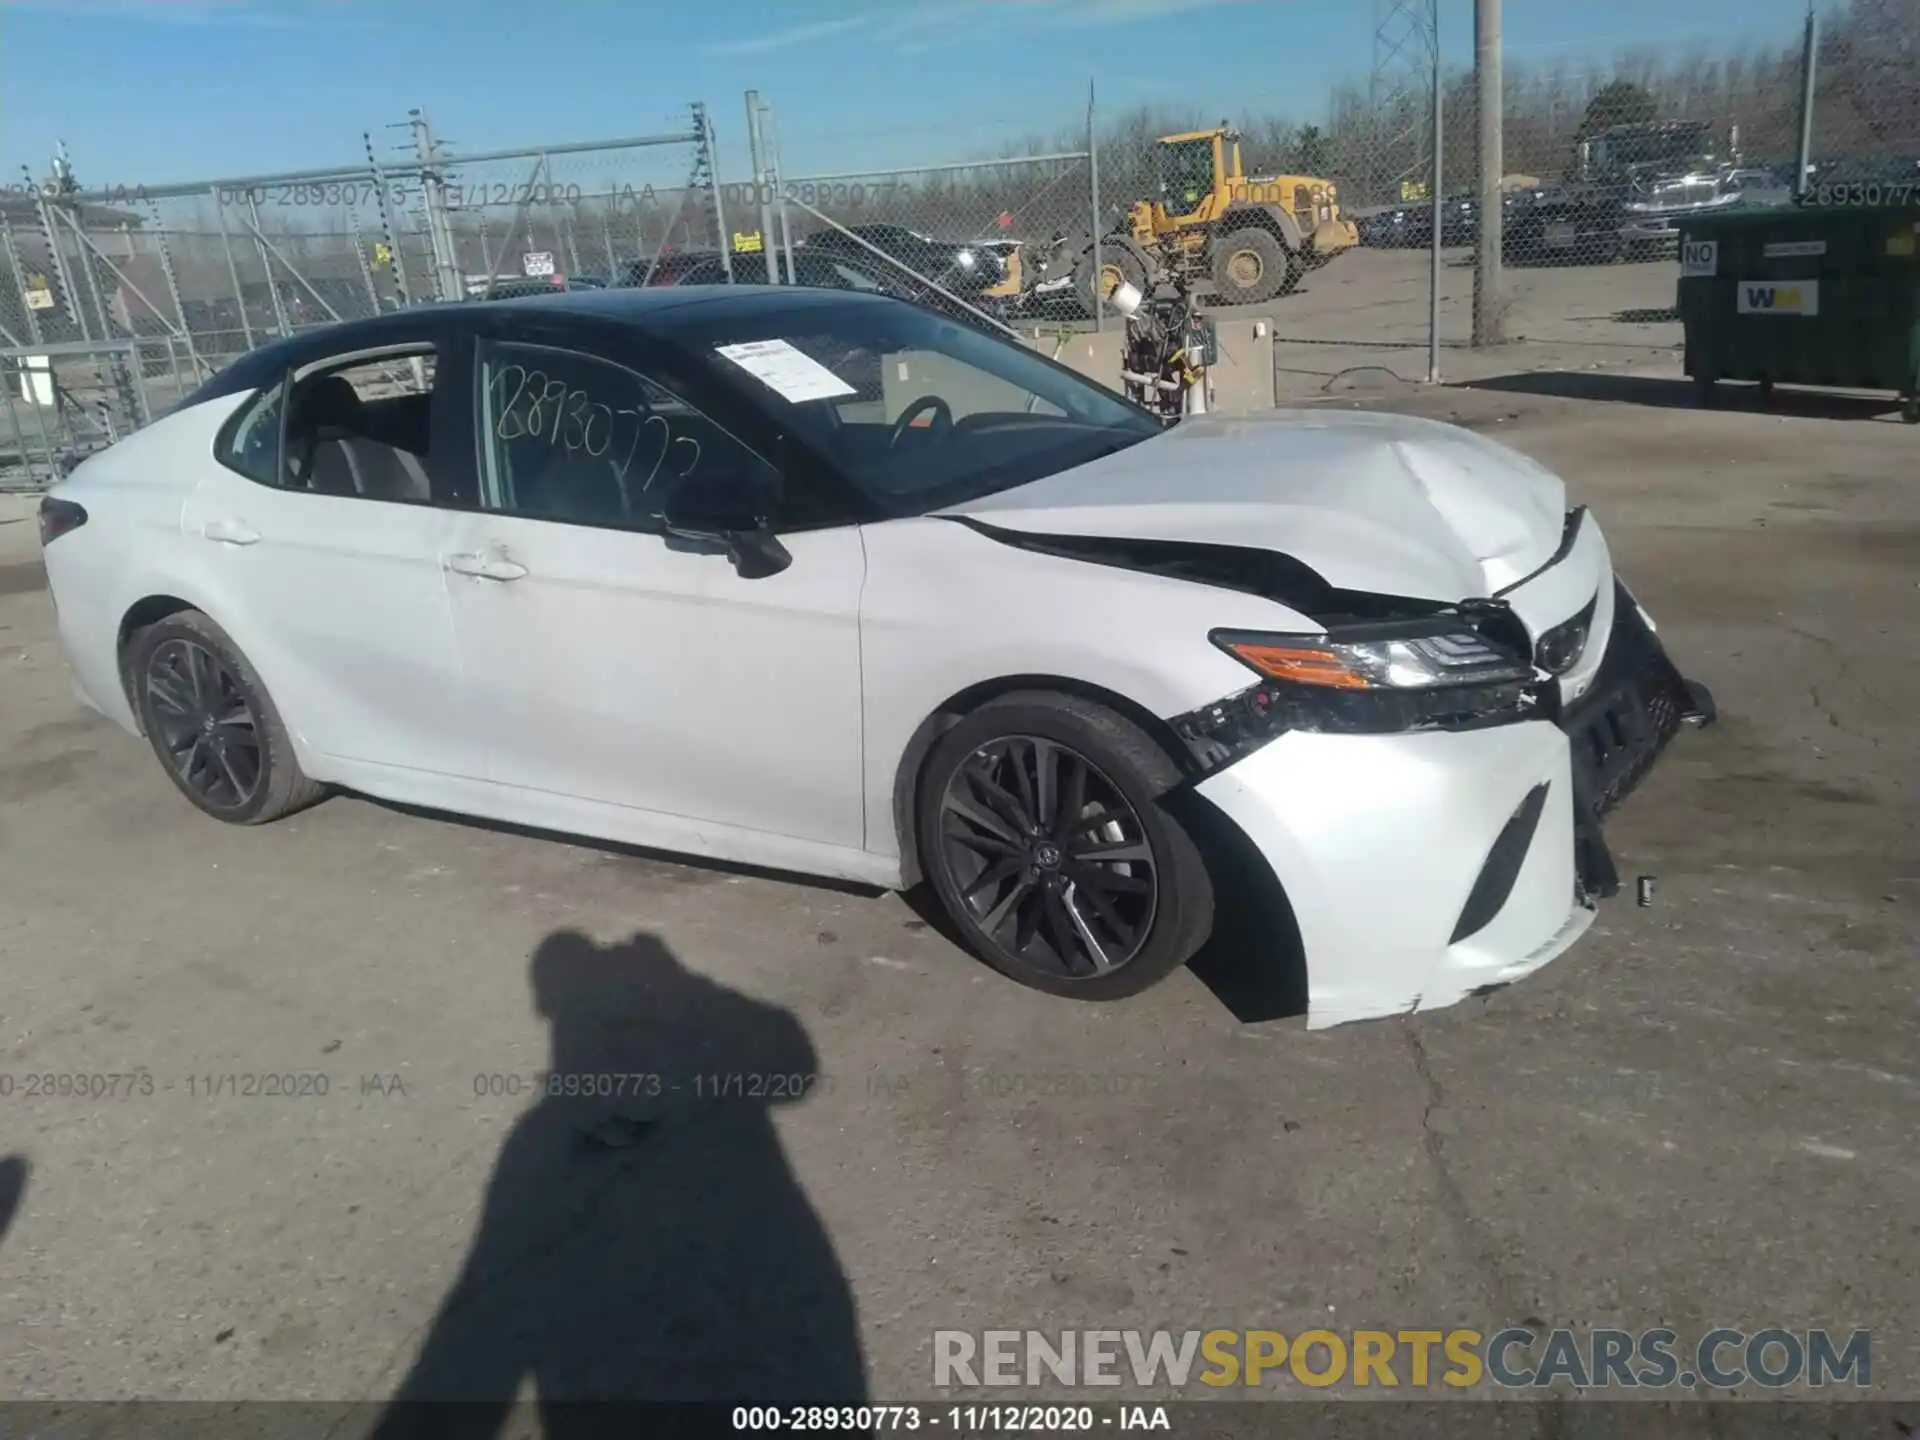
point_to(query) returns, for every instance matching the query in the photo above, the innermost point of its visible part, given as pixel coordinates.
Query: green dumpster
(1804, 296)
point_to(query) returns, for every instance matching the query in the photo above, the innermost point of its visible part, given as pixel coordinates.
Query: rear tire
(212, 724)
(1041, 832)
(1250, 265)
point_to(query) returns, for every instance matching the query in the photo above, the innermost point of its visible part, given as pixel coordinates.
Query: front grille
(1636, 704)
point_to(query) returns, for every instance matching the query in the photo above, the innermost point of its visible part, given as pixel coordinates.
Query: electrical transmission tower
(1400, 96)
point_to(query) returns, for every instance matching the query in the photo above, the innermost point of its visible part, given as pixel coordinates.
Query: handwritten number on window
(508, 426)
(544, 410)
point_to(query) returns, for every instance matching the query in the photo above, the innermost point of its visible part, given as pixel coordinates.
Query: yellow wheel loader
(1243, 238)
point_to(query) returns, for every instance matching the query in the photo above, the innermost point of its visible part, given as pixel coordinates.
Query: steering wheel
(940, 427)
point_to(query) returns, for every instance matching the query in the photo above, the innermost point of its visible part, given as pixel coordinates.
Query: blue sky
(156, 91)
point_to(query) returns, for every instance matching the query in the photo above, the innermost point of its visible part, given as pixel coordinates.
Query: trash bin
(1804, 296)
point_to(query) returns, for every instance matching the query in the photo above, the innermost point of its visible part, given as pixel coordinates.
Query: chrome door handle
(229, 532)
(486, 567)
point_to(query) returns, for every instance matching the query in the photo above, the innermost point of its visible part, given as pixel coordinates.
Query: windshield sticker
(786, 371)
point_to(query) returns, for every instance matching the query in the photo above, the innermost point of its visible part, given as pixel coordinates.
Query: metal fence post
(19, 435)
(446, 266)
(233, 268)
(266, 264)
(772, 141)
(40, 419)
(1439, 206)
(360, 254)
(394, 257)
(705, 165)
(756, 146)
(572, 214)
(68, 296)
(1093, 195)
(486, 244)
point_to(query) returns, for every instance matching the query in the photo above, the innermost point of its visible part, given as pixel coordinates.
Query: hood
(1384, 504)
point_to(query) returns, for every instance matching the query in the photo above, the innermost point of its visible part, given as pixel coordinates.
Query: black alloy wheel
(205, 724)
(212, 723)
(1042, 834)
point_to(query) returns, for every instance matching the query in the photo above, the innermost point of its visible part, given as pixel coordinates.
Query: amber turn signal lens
(1301, 665)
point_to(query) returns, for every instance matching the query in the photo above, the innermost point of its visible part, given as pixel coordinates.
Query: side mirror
(724, 512)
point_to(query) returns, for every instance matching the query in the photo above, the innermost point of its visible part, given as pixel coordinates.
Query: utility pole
(433, 195)
(1809, 61)
(1487, 307)
(762, 188)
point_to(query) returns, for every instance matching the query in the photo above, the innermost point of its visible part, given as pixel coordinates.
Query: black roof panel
(647, 309)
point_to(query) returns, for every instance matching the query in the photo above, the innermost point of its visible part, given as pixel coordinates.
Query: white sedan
(828, 583)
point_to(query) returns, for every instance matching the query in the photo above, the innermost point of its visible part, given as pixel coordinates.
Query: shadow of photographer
(13, 1186)
(644, 1237)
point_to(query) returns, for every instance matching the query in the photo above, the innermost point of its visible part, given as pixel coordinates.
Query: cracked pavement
(1704, 1114)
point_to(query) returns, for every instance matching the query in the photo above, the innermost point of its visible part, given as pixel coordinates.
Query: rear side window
(358, 427)
(251, 441)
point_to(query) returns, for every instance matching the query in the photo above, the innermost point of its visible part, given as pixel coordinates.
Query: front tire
(1041, 831)
(212, 724)
(1250, 265)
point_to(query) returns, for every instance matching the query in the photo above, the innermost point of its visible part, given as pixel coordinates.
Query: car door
(614, 665)
(324, 523)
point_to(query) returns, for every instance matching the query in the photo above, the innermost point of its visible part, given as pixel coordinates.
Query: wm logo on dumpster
(1800, 297)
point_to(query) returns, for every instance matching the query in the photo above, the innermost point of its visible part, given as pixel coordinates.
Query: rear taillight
(57, 517)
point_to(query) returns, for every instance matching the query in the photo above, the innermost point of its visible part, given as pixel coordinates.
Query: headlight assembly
(1439, 673)
(1402, 656)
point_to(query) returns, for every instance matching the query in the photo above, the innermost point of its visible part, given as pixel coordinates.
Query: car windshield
(916, 410)
(1657, 150)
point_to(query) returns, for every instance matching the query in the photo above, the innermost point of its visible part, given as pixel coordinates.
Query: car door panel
(619, 670)
(362, 661)
(340, 599)
(612, 664)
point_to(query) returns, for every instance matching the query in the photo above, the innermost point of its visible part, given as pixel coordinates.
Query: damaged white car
(827, 583)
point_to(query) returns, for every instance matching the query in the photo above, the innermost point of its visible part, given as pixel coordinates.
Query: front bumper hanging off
(1427, 866)
(1636, 703)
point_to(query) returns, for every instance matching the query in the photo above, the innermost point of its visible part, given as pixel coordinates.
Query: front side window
(916, 411)
(575, 438)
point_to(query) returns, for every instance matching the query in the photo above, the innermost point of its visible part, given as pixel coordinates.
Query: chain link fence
(115, 303)
(1356, 232)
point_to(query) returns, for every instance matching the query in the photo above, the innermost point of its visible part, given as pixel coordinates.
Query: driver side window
(578, 439)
